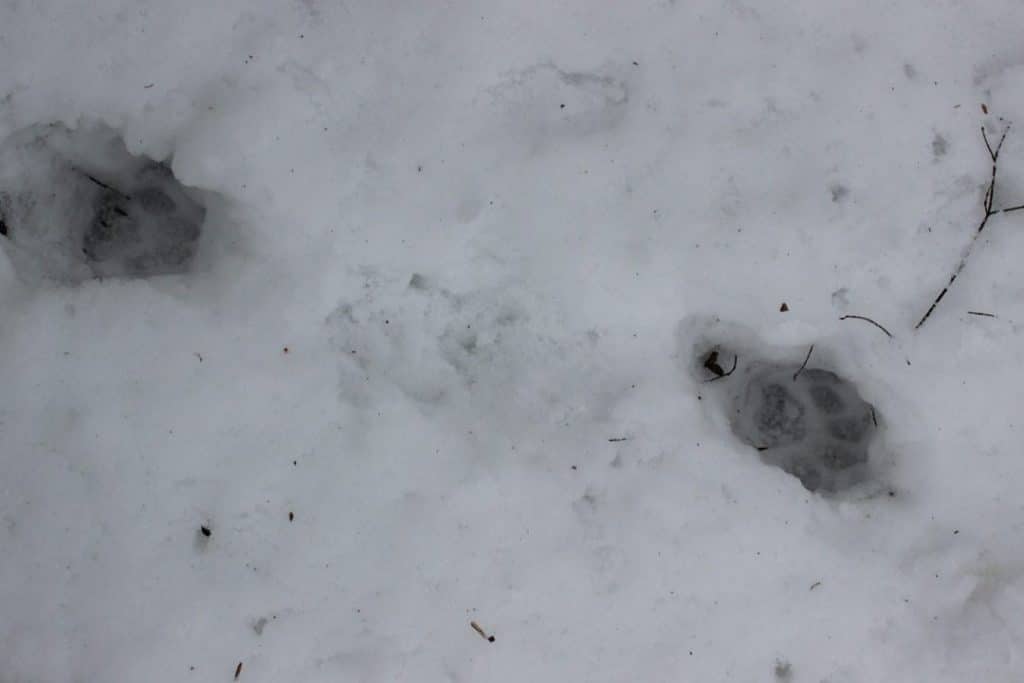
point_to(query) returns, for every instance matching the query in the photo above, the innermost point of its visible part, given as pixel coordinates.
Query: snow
(454, 330)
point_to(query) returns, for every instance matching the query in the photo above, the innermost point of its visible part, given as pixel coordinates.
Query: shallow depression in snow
(810, 422)
(75, 204)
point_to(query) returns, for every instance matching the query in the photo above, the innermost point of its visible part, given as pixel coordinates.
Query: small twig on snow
(102, 184)
(483, 634)
(712, 365)
(986, 315)
(804, 364)
(867, 319)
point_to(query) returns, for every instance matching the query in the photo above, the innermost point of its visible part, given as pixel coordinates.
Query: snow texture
(427, 347)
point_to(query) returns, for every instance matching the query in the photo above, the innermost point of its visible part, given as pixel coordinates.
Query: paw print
(813, 424)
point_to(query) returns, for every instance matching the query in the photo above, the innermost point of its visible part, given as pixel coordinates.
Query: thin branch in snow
(987, 203)
(984, 136)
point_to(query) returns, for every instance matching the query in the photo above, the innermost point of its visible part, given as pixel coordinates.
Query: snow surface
(438, 356)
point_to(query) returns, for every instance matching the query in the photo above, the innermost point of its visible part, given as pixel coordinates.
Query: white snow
(453, 328)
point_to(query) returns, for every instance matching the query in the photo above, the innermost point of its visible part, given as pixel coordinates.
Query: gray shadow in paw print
(76, 204)
(811, 423)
